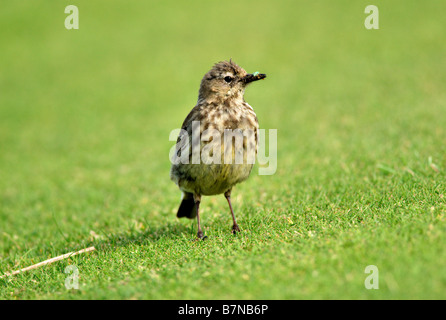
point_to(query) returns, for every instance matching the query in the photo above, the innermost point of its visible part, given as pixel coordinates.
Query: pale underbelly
(210, 179)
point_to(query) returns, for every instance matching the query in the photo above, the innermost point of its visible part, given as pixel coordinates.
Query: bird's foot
(235, 229)
(200, 236)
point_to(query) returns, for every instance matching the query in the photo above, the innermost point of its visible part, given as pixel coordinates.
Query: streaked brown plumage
(220, 106)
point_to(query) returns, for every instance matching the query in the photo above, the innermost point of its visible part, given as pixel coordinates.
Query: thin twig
(34, 266)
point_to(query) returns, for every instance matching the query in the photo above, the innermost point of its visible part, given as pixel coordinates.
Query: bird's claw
(200, 236)
(235, 229)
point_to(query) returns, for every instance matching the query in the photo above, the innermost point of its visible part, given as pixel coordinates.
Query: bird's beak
(250, 77)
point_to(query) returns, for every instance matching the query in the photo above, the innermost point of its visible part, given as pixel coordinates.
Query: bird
(220, 109)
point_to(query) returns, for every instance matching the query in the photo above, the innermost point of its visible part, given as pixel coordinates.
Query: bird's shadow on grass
(149, 234)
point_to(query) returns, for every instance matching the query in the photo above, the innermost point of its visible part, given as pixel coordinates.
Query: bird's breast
(227, 147)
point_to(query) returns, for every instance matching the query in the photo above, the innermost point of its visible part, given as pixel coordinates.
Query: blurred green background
(85, 117)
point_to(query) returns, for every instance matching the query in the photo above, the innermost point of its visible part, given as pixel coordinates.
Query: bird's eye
(228, 79)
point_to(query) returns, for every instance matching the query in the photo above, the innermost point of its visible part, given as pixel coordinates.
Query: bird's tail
(187, 207)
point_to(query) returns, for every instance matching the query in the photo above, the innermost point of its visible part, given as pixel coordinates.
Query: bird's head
(226, 80)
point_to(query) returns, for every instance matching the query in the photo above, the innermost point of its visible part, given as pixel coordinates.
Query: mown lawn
(85, 117)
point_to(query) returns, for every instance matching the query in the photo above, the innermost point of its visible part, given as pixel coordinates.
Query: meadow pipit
(207, 161)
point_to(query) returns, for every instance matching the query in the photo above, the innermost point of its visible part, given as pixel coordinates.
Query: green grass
(85, 117)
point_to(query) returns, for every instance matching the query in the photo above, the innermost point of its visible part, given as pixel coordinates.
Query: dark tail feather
(187, 207)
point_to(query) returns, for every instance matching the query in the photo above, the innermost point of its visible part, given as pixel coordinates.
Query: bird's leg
(197, 200)
(235, 227)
